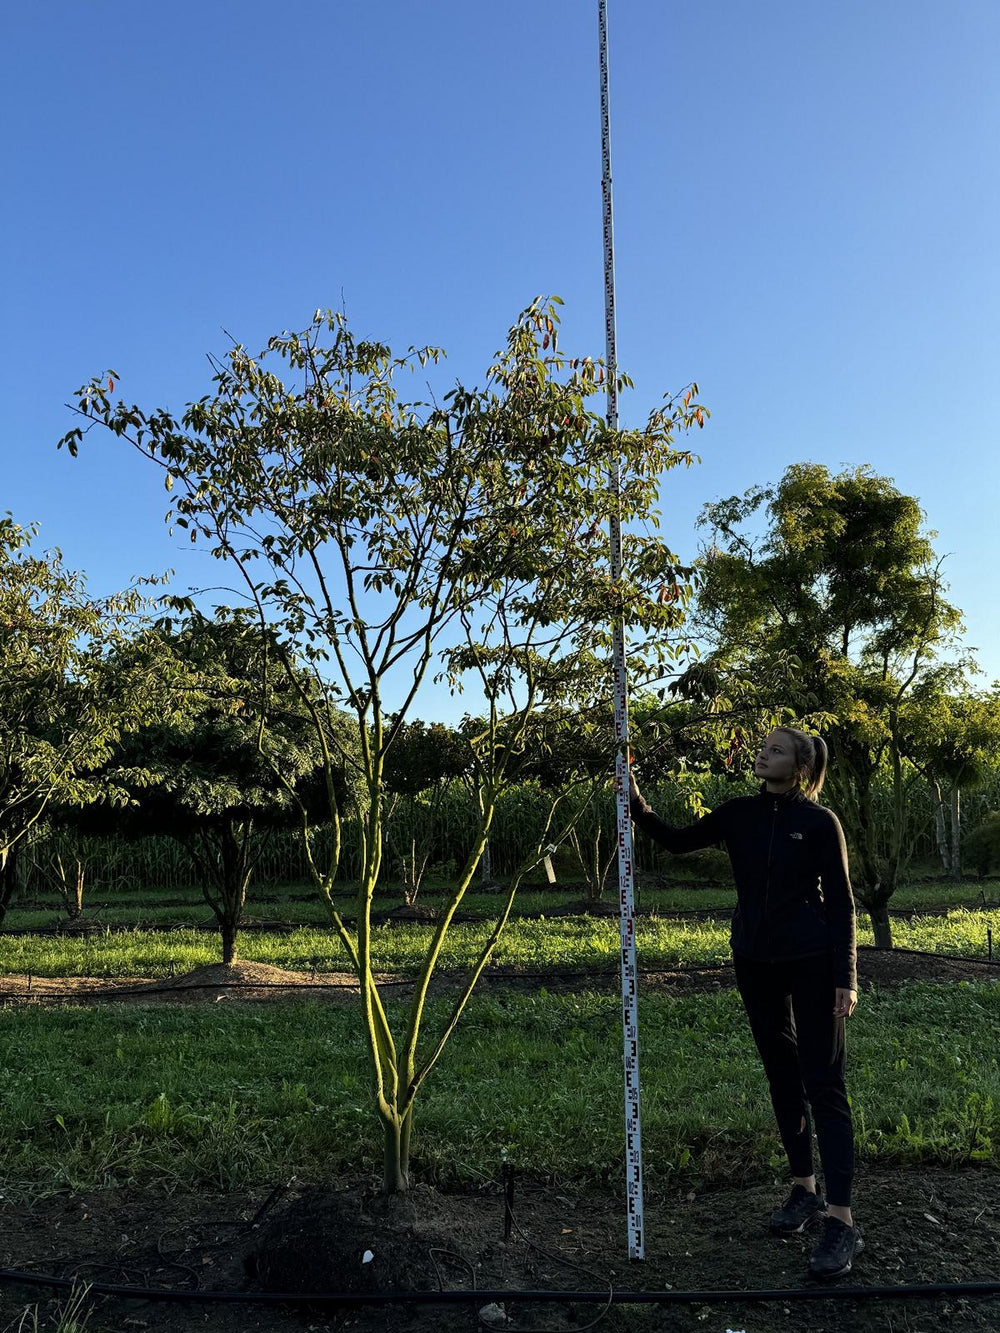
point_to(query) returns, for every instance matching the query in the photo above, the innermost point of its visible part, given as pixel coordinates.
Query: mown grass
(225, 1097)
(562, 942)
(299, 904)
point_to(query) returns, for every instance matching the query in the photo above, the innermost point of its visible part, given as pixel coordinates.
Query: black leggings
(801, 1043)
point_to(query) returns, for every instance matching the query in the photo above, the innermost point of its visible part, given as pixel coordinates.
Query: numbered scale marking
(630, 1005)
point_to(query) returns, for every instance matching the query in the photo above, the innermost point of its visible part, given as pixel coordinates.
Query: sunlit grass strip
(287, 904)
(561, 942)
(569, 942)
(229, 1097)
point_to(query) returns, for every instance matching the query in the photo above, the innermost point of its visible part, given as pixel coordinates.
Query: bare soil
(930, 1225)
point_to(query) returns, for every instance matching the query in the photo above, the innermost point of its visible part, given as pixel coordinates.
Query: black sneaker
(799, 1212)
(835, 1252)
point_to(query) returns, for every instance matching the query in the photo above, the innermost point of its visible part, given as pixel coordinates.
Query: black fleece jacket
(790, 865)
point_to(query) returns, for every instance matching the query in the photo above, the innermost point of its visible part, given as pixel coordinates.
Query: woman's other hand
(845, 1002)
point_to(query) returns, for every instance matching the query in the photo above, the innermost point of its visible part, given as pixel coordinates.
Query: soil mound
(412, 912)
(354, 1242)
(244, 981)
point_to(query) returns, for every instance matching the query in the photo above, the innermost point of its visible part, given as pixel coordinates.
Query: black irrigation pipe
(12, 1277)
(929, 953)
(119, 992)
(127, 992)
(28, 995)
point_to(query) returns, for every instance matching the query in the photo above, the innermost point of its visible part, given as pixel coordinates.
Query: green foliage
(834, 617)
(982, 846)
(393, 539)
(424, 757)
(64, 698)
(239, 756)
(423, 765)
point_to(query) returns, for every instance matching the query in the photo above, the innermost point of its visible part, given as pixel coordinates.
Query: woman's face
(775, 761)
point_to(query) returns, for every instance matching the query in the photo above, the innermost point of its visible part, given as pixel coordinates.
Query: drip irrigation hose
(905, 1291)
(581, 974)
(546, 975)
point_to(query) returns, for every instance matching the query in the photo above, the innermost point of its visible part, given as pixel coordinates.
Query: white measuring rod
(626, 883)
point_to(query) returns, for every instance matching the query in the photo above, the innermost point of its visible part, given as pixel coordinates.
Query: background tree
(397, 539)
(579, 746)
(63, 705)
(238, 762)
(835, 616)
(956, 745)
(419, 769)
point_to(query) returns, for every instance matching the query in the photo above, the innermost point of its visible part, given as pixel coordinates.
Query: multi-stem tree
(403, 542)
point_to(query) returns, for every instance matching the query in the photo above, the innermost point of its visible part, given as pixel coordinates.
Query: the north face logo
(796, 835)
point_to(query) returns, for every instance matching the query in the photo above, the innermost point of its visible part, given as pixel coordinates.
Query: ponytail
(811, 757)
(818, 775)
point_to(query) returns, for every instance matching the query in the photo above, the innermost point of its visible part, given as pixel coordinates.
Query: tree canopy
(394, 540)
(833, 616)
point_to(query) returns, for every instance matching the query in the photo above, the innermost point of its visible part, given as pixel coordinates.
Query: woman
(794, 953)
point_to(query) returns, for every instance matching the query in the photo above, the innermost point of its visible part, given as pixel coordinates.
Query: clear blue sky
(807, 206)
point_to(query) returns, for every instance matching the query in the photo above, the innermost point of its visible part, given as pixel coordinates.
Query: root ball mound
(353, 1241)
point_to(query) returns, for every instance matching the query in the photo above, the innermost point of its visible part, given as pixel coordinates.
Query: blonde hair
(811, 757)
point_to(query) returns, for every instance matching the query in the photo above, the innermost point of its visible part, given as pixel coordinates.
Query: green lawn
(298, 904)
(224, 1097)
(559, 942)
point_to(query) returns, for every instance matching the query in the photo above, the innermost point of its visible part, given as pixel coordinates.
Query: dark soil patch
(895, 967)
(929, 1225)
(406, 912)
(212, 984)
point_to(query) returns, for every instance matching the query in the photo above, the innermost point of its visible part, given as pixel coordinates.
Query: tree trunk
(229, 931)
(940, 831)
(405, 1135)
(74, 892)
(396, 1165)
(485, 865)
(235, 874)
(881, 925)
(595, 881)
(955, 868)
(8, 877)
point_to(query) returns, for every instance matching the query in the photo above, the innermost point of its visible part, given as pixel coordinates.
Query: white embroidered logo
(796, 835)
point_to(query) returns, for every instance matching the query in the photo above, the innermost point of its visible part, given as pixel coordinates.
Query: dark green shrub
(981, 847)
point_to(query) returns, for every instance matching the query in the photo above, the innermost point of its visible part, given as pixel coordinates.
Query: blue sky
(807, 207)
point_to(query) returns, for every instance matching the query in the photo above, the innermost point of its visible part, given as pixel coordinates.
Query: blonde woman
(794, 952)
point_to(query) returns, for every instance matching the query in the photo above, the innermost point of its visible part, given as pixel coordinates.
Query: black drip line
(905, 1291)
(548, 974)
